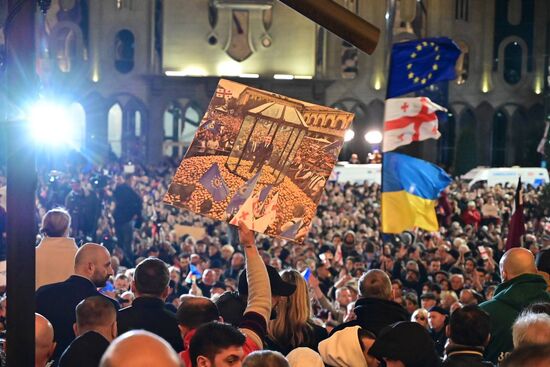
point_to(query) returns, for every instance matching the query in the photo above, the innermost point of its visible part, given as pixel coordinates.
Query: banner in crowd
(260, 158)
(410, 188)
(409, 119)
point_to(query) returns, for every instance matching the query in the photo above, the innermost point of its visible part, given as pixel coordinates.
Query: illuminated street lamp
(349, 135)
(373, 137)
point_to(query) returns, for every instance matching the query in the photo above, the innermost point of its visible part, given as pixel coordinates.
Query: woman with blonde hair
(294, 327)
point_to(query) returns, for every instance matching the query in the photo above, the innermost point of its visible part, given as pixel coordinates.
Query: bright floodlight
(373, 137)
(349, 135)
(50, 124)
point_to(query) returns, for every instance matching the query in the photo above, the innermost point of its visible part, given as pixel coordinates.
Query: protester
(147, 312)
(521, 286)
(265, 358)
(405, 344)
(374, 309)
(128, 206)
(139, 348)
(293, 326)
(348, 347)
(531, 328)
(437, 319)
(303, 356)
(56, 251)
(216, 344)
(468, 333)
(57, 302)
(196, 311)
(43, 339)
(531, 355)
(95, 329)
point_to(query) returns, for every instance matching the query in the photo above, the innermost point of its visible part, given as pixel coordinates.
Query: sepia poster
(260, 158)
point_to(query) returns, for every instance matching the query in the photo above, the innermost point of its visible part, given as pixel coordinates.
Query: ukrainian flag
(410, 188)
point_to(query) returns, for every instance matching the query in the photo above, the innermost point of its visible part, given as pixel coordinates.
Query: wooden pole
(340, 21)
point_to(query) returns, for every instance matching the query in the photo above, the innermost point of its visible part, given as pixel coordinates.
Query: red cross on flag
(409, 119)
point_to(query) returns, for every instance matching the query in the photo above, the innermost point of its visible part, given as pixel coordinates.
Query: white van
(356, 173)
(534, 176)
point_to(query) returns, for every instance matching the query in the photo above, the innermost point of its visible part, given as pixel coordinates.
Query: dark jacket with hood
(510, 299)
(464, 356)
(374, 314)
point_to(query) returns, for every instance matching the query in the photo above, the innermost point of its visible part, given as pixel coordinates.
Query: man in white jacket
(56, 251)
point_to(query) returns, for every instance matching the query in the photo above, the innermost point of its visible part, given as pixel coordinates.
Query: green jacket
(510, 299)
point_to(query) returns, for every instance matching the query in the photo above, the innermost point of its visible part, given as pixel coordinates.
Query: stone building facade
(142, 72)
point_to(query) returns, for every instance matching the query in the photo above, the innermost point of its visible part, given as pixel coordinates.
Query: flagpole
(390, 19)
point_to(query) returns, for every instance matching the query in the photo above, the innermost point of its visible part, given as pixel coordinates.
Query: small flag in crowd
(213, 181)
(242, 194)
(193, 275)
(420, 63)
(213, 126)
(409, 119)
(516, 228)
(306, 274)
(410, 188)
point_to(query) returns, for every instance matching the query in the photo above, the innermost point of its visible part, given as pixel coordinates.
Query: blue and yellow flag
(417, 64)
(410, 188)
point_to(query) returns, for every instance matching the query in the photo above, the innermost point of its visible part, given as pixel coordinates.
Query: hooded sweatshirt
(343, 349)
(510, 299)
(374, 314)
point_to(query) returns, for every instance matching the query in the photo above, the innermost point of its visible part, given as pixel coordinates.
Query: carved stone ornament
(250, 21)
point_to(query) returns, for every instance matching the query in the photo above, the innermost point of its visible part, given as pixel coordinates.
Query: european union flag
(417, 64)
(242, 194)
(213, 126)
(410, 189)
(213, 181)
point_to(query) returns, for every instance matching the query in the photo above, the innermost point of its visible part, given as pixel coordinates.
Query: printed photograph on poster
(260, 158)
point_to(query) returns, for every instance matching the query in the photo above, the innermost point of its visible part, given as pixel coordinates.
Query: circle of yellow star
(423, 79)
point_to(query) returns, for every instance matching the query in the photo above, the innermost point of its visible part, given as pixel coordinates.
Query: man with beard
(57, 302)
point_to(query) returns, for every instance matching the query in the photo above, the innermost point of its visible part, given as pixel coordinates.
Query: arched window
(466, 143)
(137, 123)
(500, 128)
(339, 124)
(328, 123)
(124, 51)
(180, 125)
(463, 63)
(512, 63)
(77, 117)
(192, 118)
(447, 142)
(114, 129)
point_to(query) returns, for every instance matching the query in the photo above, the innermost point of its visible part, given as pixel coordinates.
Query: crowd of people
(119, 281)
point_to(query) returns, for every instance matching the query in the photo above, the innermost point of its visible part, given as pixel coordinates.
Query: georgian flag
(409, 119)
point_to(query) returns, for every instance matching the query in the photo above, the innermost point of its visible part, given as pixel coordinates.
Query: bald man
(57, 302)
(139, 348)
(43, 338)
(520, 287)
